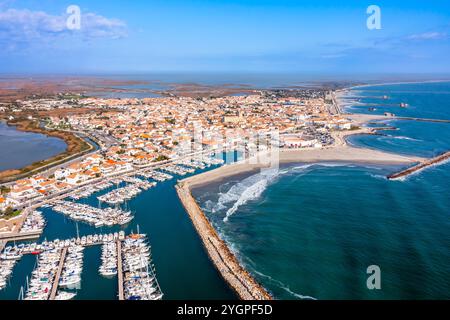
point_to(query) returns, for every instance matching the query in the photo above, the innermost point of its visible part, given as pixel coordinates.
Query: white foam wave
(303, 167)
(252, 187)
(403, 138)
(249, 189)
(378, 176)
(285, 287)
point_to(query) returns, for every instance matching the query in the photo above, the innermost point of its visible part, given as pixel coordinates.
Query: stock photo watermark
(374, 280)
(374, 19)
(259, 148)
(73, 21)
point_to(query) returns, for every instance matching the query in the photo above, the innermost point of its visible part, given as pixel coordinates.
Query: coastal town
(137, 144)
(134, 145)
(134, 133)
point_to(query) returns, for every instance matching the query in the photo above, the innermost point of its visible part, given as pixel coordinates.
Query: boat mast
(21, 293)
(78, 231)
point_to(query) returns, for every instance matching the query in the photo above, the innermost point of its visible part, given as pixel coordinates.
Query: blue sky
(314, 36)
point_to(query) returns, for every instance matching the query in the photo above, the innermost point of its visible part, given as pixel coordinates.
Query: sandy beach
(339, 152)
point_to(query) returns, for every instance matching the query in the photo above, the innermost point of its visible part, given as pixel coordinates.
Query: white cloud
(334, 56)
(99, 26)
(25, 25)
(434, 35)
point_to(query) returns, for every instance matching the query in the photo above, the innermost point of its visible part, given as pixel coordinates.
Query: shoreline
(230, 268)
(220, 254)
(75, 147)
(342, 154)
(393, 83)
(340, 151)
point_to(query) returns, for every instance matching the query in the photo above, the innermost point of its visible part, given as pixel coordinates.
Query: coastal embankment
(234, 274)
(424, 164)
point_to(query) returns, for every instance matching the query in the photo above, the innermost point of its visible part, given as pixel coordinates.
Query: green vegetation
(10, 213)
(4, 190)
(161, 158)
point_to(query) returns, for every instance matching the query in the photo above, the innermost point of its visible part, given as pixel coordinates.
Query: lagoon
(20, 149)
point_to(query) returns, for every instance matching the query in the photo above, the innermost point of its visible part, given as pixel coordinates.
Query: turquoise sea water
(19, 149)
(312, 231)
(426, 100)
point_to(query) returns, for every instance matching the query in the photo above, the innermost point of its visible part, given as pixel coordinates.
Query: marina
(139, 281)
(34, 223)
(179, 170)
(42, 283)
(156, 175)
(108, 268)
(6, 269)
(88, 207)
(94, 216)
(91, 190)
(192, 164)
(59, 266)
(120, 195)
(73, 266)
(31, 228)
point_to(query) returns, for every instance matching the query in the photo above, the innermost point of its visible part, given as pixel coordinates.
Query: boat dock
(20, 237)
(390, 128)
(58, 274)
(421, 166)
(135, 271)
(120, 270)
(423, 119)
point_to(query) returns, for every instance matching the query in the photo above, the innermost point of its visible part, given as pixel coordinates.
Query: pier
(120, 270)
(423, 165)
(380, 105)
(135, 273)
(245, 286)
(423, 119)
(390, 128)
(20, 236)
(58, 274)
